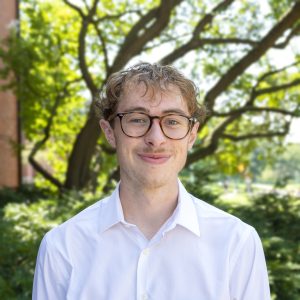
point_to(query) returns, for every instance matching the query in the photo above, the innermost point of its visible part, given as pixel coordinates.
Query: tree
(67, 49)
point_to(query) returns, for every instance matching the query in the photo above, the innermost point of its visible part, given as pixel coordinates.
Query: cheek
(180, 153)
(184, 147)
(124, 148)
(121, 149)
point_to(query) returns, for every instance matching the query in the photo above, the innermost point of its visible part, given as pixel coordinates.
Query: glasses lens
(135, 124)
(175, 126)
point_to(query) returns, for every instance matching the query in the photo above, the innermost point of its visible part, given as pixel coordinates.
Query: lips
(154, 158)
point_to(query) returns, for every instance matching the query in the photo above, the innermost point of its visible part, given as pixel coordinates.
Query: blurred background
(55, 57)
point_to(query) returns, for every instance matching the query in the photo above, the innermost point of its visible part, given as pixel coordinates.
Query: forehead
(154, 99)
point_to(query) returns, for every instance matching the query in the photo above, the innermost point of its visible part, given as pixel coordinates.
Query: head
(154, 77)
(156, 92)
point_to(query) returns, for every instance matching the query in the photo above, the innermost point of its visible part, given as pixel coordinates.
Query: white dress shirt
(200, 253)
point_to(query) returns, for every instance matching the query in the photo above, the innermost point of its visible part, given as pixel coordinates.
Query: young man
(151, 239)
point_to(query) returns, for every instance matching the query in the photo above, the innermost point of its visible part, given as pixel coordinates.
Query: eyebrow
(136, 108)
(176, 111)
(145, 110)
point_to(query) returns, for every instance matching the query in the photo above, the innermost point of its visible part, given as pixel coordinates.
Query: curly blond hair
(154, 76)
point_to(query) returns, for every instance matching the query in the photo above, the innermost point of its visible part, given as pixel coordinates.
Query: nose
(155, 137)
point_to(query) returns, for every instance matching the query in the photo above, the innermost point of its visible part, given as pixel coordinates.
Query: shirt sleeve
(52, 273)
(249, 276)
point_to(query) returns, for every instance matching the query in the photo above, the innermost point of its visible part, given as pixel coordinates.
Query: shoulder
(208, 212)
(85, 223)
(217, 223)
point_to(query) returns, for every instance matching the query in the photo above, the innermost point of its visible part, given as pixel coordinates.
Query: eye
(174, 121)
(136, 119)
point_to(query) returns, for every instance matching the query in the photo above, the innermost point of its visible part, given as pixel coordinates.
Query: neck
(148, 208)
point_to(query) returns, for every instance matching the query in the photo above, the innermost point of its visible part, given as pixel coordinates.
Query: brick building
(10, 166)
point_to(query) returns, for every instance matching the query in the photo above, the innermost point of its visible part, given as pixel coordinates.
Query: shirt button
(144, 297)
(146, 251)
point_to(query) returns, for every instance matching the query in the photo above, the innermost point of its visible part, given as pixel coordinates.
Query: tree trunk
(78, 173)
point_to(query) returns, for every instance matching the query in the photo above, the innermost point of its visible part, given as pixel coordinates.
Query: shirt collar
(185, 214)
(111, 212)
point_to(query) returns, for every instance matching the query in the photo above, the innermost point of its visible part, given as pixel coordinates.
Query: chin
(154, 182)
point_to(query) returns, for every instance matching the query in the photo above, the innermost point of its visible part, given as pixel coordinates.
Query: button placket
(146, 252)
(145, 296)
(142, 267)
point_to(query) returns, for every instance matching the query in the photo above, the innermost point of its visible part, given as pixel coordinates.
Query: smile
(154, 158)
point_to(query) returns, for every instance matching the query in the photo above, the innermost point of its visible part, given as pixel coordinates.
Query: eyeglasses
(173, 126)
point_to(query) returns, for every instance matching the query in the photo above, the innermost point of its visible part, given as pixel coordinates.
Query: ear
(193, 136)
(109, 132)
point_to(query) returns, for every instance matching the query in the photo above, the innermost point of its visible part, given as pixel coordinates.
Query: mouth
(154, 158)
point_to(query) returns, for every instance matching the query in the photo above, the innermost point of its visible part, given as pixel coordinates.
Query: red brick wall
(9, 162)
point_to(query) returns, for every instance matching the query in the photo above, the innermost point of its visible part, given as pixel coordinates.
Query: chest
(173, 268)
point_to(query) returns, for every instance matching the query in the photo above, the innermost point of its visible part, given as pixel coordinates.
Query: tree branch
(143, 31)
(103, 43)
(231, 117)
(258, 109)
(164, 40)
(201, 42)
(44, 172)
(255, 93)
(277, 88)
(213, 141)
(249, 106)
(219, 134)
(233, 40)
(268, 41)
(195, 42)
(235, 114)
(75, 7)
(117, 16)
(208, 18)
(256, 135)
(38, 145)
(86, 20)
(276, 71)
(295, 31)
(86, 5)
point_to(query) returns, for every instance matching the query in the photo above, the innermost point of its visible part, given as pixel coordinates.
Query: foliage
(22, 226)
(284, 168)
(199, 178)
(277, 220)
(275, 217)
(287, 166)
(66, 50)
(24, 194)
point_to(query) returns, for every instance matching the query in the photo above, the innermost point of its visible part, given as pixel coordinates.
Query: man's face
(152, 160)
